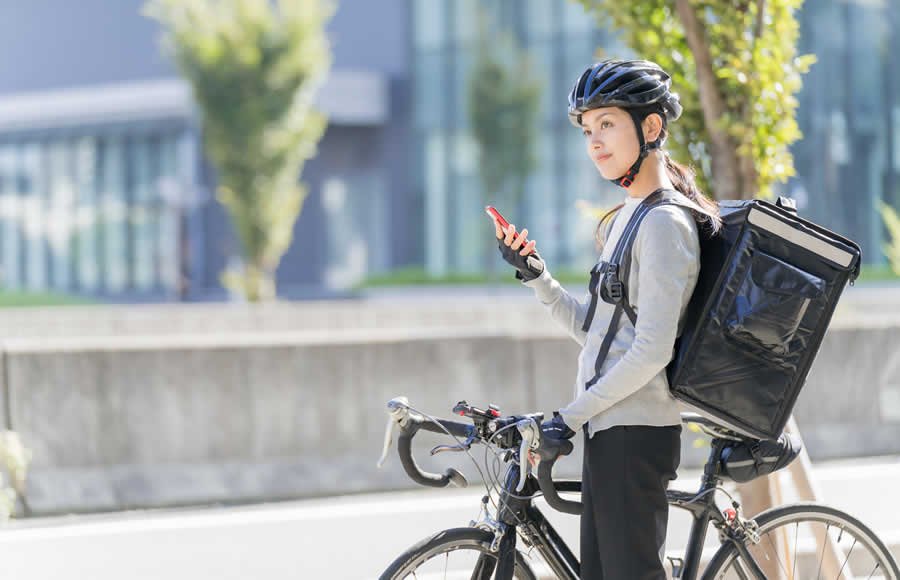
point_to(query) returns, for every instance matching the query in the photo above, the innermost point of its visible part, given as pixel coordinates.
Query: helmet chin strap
(627, 179)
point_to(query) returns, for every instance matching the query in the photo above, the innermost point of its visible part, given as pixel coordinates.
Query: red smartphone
(492, 211)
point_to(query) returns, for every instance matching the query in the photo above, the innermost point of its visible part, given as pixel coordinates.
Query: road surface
(351, 538)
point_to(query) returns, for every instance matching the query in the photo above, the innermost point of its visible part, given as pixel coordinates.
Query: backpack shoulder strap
(620, 262)
(663, 197)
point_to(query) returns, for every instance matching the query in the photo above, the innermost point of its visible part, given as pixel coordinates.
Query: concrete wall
(150, 421)
(501, 308)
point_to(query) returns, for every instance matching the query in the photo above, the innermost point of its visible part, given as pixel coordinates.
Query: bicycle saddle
(711, 427)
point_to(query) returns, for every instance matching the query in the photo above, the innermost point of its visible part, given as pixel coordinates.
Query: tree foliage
(254, 66)
(736, 68)
(892, 223)
(14, 460)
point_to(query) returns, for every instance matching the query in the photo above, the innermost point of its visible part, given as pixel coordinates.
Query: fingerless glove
(527, 267)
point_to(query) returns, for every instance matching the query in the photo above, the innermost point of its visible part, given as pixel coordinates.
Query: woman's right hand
(513, 240)
(518, 252)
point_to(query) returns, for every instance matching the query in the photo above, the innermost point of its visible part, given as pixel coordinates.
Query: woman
(632, 424)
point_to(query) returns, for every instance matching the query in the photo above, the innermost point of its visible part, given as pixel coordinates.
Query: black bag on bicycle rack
(744, 461)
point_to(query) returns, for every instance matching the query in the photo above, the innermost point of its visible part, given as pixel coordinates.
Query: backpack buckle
(613, 290)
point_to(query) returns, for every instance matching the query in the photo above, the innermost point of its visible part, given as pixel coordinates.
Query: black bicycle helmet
(639, 86)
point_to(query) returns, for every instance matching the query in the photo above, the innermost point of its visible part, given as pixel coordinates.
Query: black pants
(623, 526)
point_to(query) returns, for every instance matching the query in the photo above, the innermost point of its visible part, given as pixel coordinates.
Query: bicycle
(802, 540)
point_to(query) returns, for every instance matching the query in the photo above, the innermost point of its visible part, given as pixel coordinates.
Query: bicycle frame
(523, 516)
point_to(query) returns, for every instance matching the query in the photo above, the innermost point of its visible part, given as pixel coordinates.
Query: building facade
(103, 187)
(104, 190)
(846, 163)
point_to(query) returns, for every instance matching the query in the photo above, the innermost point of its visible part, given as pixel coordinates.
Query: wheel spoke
(841, 571)
(810, 550)
(822, 557)
(777, 557)
(877, 565)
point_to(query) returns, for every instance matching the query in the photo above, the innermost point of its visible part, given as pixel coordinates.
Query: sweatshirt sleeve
(667, 250)
(564, 308)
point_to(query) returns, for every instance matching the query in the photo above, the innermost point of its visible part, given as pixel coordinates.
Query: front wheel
(807, 541)
(454, 553)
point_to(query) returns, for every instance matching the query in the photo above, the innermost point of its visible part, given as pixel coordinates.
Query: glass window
(86, 214)
(370, 211)
(435, 239)
(468, 14)
(60, 211)
(143, 218)
(114, 209)
(463, 64)
(92, 213)
(468, 202)
(894, 125)
(575, 19)
(579, 54)
(430, 23)
(170, 192)
(34, 191)
(10, 216)
(553, 97)
(542, 193)
(341, 233)
(430, 89)
(540, 18)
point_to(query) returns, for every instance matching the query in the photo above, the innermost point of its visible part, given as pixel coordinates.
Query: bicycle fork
(504, 561)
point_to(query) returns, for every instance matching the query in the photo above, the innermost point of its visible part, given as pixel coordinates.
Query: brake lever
(464, 446)
(399, 411)
(531, 439)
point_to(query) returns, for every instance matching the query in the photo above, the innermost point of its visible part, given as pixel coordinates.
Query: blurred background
(231, 231)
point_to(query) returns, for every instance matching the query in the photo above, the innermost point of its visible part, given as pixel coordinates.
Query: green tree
(735, 65)
(503, 106)
(14, 459)
(254, 66)
(892, 223)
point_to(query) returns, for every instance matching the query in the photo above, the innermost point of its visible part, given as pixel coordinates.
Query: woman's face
(612, 143)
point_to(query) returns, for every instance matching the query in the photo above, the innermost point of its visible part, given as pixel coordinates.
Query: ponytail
(706, 214)
(601, 233)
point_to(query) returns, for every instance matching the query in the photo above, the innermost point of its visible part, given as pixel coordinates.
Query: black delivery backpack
(768, 285)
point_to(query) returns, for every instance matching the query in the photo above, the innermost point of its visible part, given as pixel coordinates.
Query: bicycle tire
(813, 516)
(445, 542)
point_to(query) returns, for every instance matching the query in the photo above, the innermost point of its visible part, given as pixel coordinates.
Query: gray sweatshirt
(633, 388)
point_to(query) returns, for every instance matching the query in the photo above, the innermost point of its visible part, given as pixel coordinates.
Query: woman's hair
(707, 213)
